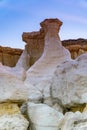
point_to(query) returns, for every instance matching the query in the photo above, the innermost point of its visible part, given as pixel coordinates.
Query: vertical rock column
(53, 55)
(34, 44)
(53, 48)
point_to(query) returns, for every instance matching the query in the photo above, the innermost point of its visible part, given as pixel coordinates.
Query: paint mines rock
(74, 121)
(11, 118)
(23, 61)
(17, 72)
(54, 53)
(41, 73)
(70, 82)
(12, 89)
(43, 117)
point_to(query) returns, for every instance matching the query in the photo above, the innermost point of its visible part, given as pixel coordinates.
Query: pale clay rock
(13, 89)
(13, 122)
(41, 73)
(23, 61)
(55, 79)
(69, 84)
(55, 75)
(43, 117)
(17, 72)
(59, 79)
(74, 121)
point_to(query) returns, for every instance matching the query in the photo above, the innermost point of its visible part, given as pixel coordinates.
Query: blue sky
(18, 16)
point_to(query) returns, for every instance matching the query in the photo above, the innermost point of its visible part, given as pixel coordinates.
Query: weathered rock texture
(9, 56)
(49, 120)
(35, 45)
(11, 117)
(40, 74)
(76, 47)
(60, 80)
(43, 94)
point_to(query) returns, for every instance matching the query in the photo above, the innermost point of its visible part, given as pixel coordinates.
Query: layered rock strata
(49, 95)
(76, 47)
(9, 56)
(40, 74)
(60, 80)
(34, 46)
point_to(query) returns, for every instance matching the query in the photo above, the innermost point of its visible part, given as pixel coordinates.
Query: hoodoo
(49, 94)
(53, 55)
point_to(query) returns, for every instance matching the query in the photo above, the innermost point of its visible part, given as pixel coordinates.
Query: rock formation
(11, 118)
(9, 56)
(49, 95)
(40, 74)
(49, 120)
(76, 47)
(34, 48)
(35, 44)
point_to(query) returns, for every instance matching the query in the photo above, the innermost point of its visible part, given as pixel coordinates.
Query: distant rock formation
(76, 47)
(34, 46)
(9, 56)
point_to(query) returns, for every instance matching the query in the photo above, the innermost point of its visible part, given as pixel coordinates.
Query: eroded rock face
(43, 117)
(74, 121)
(11, 117)
(12, 85)
(41, 73)
(24, 61)
(9, 56)
(76, 47)
(60, 80)
(34, 44)
(47, 90)
(69, 82)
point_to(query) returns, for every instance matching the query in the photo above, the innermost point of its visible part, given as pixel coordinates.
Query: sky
(18, 16)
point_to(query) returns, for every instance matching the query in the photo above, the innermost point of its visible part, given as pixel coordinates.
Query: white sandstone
(43, 117)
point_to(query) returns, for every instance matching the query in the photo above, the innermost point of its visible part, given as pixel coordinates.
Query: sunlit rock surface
(52, 93)
(9, 56)
(24, 61)
(12, 85)
(11, 117)
(41, 73)
(69, 84)
(43, 117)
(35, 45)
(74, 121)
